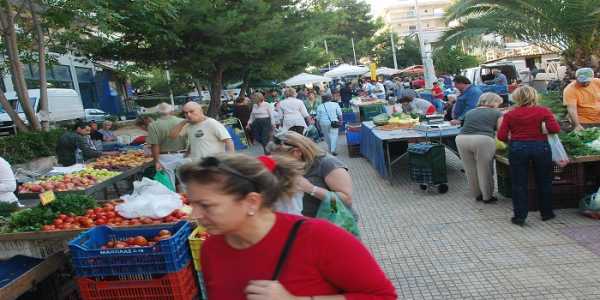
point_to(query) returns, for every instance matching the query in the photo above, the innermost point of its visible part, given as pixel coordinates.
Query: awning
(346, 70)
(305, 78)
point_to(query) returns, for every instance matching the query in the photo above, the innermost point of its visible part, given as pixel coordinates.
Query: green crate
(427, 163)
(367, 112)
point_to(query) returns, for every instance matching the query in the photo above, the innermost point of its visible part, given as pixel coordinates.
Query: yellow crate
(195, 245)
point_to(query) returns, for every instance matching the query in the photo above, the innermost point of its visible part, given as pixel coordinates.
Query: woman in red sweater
(232, 196)
(522, 127)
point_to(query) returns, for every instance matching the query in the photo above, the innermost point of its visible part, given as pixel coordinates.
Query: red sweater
(525, 124)
(324, 260)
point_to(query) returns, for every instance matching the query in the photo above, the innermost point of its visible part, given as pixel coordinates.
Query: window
(412, 28)
(58, 76)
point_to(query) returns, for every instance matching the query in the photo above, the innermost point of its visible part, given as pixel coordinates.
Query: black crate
(354, 150)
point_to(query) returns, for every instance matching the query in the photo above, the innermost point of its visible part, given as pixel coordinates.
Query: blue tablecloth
(237, 140)
(372, 142)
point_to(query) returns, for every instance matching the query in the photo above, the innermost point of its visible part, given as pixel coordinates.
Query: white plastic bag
(559, 155)
(149, 199)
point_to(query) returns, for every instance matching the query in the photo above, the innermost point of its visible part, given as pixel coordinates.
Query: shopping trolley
(427, 164)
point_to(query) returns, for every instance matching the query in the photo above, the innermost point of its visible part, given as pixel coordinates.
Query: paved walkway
(449, 246)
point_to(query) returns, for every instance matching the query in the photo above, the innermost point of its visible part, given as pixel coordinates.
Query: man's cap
(584, 75)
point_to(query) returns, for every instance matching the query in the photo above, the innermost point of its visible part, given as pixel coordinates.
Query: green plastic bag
(337, 213)
(162, 177)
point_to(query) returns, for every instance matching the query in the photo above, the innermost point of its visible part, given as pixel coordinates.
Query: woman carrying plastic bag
(559, 154)
(334, 210)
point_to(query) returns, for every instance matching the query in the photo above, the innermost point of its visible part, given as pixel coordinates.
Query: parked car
(64, 105)
(94, 114)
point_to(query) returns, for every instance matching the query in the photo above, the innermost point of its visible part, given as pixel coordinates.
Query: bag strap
(286, 249)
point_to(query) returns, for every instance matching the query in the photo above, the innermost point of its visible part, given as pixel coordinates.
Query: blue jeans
(538, 154)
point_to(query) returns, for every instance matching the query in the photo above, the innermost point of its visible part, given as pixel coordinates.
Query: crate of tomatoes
(153, 249)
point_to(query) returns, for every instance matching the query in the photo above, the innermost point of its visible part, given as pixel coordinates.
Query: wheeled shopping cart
(427, 163)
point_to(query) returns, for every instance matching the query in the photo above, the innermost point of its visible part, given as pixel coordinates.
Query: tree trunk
(10, 39)
(12, 114)
(197, 86)
(39, 37)
(245, 84)
(216, 87)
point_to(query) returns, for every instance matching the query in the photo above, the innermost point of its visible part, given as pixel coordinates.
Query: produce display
(72, 212)
(581, 143)
(396, 121)
(381, 119)
(69, 182)
(137, 241)
(121, 161)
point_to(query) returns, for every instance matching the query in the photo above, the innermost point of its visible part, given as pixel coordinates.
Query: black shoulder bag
(286, 249)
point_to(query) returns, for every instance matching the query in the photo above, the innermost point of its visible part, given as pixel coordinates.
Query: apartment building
(401, 16)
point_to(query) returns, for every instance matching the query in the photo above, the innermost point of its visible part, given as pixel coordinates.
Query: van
(63, 105)
(479, 75)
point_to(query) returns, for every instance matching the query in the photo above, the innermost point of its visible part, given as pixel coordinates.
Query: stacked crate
(161, 271)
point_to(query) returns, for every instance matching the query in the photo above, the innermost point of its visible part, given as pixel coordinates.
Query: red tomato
(97, 210)
(108, 207)
(100, 221)
(111, 214)
(69, 220)
(89, 211)
(60, 226)
(62, 216)
(58, 222)
(130, 241)
(140, 241)
(47, 228)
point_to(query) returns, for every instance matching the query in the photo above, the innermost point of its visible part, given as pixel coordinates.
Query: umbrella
(418, 69)
(305, 78)
(346, 70)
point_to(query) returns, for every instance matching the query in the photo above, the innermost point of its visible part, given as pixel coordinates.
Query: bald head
(193, 112)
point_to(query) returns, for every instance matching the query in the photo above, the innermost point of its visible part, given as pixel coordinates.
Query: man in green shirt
(71, 141)
(168, 153)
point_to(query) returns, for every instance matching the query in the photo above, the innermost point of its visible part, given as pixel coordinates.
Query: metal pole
(354, 51)
(327, 52)
(170, 89)
(394, 50)
(425, 58)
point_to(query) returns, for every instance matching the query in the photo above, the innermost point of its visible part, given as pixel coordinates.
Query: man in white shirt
(206, 136)
(293, 112)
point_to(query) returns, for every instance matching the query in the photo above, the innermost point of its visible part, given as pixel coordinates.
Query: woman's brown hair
(240, 174)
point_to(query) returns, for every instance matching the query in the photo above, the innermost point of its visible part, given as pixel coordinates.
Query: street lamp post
(425, 52)
(394, 49)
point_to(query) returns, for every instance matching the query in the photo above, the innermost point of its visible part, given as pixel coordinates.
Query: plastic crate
(179, 285)
(33, 248)
(353, 137)
(427, 163)
(195, 246)
(367, 112)
(354, 151)
(347, 118)
(169, 255)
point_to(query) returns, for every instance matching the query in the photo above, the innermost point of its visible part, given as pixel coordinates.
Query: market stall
(90, 179)
(385, 147)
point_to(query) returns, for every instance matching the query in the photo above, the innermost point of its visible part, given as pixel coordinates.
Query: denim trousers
(539, 155)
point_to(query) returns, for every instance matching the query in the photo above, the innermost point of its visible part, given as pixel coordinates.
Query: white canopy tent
(305, 78)
(346, 70)
(385, 71)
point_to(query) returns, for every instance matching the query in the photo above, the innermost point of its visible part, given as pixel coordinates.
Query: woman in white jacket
(8, 182)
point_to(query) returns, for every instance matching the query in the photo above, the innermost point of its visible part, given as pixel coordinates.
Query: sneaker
(517, 221)
(334, 153)
(479, 198)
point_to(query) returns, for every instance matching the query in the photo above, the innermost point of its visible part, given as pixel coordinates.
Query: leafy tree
(409, 53)
(568, 26)
(452, 59)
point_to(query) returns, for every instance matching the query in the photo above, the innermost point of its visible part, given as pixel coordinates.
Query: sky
(378, 4)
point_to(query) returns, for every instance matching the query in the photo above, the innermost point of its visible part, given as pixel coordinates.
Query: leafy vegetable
(575, 142)
(31, 219)
(7, 208)
(553, 100)
(72, 203)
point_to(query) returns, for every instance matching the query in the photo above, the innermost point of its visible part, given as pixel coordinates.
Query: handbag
(333, 124)
(334, 210)
(286, 249)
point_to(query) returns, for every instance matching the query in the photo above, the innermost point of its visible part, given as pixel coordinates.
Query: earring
(251, 213)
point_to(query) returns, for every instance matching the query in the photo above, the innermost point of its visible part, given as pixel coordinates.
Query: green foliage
(452, 60)
(554, 101)
(569, 26)
(7, 208)
(575, 142)
(27, 146)
(72, 204)
(409, 53)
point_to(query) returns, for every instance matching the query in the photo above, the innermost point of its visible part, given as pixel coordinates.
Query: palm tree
(569, 26)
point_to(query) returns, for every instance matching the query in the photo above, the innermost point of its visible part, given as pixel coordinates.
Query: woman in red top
(529, 145)
(232, 198)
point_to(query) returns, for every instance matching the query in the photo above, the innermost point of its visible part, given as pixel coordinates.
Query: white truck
(63, 105)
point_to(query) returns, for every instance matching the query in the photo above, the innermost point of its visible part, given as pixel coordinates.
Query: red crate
(171, 286)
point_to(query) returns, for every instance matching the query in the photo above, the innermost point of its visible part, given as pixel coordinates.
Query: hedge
(24, 147)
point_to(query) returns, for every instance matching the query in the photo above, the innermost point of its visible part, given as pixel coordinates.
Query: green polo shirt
(158, 134)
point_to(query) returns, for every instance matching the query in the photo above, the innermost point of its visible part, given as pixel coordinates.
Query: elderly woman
(260, 122)
(522, 128)
(293, 112)
(323, 173)
(477, 146)
(329, 117)
(232, 197)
